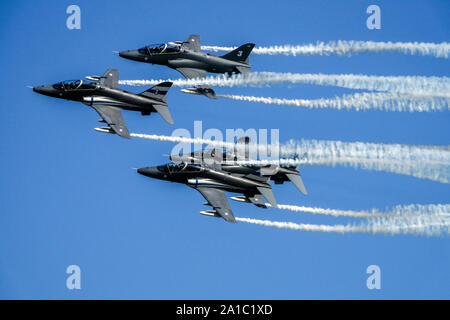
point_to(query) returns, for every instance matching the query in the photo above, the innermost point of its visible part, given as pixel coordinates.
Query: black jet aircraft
(212, 184)
(102, 94)
(229, 161)
(277, 173)
(187, 58)
(212, 178)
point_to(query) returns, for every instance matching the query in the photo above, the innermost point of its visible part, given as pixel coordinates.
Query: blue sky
(68, 194)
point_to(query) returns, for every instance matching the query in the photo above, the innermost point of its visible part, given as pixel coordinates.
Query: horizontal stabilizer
(163, 110)
(268, 194)
(297, 181)
(243, 69)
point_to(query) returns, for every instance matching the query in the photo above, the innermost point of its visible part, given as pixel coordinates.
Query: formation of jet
(210, 172)
(102, 94)
(212, 179)
(187, 58)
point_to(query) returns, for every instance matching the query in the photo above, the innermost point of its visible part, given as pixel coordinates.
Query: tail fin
(240, 54)
(268, 194)
(163, 110)
(242, 148)
(158, 92)
(110, 78)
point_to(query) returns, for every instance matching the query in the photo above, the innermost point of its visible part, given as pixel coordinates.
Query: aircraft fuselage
(186, 59)
(102, 95)
(195, 176)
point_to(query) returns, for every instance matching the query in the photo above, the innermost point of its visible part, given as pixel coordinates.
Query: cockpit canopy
(160, 48)
(179, 167)
(76, 84)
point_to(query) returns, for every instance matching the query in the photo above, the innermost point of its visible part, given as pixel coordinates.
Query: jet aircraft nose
(151, 172)
(39, 89)
(130, 54)
(45, 90)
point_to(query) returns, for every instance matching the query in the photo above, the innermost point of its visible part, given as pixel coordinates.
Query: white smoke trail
(361, 101)
(342, 47)
(421, 162)
(329, 212)
(430, 163)
(434, 170)
(400, 211)
(215, 143)
(417, 161)
(417, 226)
(402, 84)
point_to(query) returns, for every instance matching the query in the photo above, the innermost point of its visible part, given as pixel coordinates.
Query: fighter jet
(102, 94)
(187, 58)
(212, 184)
(228, 162)
(212, 179)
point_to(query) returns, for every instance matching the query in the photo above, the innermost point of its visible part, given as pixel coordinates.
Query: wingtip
(231, 219)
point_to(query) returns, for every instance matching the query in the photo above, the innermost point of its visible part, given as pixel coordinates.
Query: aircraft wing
(114, 118)
(218, 200)
(191, 73)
